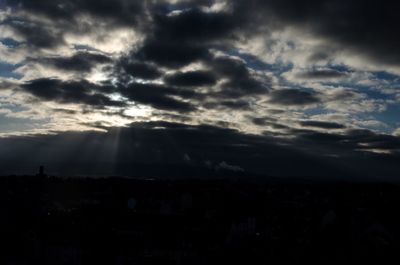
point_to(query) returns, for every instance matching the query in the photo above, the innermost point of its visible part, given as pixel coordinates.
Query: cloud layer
(283, 70)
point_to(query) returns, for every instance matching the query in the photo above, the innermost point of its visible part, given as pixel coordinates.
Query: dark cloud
(185, 37)
(230, 104)
(231, 68)
(79, 62)
(160, 144)
(345, 95)
(160, 97)
(259, 121)
(352, 139)
(65, 111)
(372, 140)
(80, 92)
(293, 97)
(195, 25)
(319, 56)
(322, 74)
(44, 23)
(36, 35)
(193, 35)
(322, 124)
(262, 121)
(364, 27)
(192, 78)
(116, 11)
(236, 104)
(171, 54)
(279, 126)
(271, 122)
(240, 82)
(141, 70)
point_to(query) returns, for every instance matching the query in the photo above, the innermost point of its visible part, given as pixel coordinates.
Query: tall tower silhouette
(41, 172)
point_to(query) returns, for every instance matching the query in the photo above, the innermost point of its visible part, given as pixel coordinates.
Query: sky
(274, 88)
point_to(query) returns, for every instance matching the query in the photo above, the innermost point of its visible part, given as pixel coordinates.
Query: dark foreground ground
(124, 221)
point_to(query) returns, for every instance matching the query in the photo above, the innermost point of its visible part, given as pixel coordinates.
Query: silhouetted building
(41, 172)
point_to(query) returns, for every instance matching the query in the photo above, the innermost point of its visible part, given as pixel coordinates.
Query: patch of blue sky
(12, 107)
(391, 116)
(340, 68)
(372, 91)
(316, 111)
(376, 94)
(387, 76)
(369, 119)
(388, 122)
(379, 128)
(380, 78)
(80, 47)
(284, 83)
(8, 70)
(9, 42)
(256, 64)
(11, 124)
